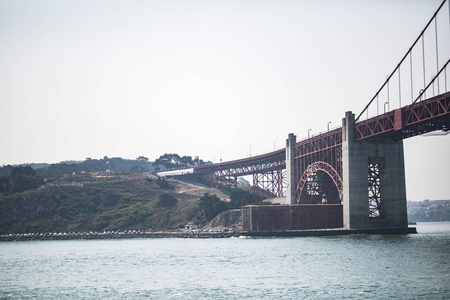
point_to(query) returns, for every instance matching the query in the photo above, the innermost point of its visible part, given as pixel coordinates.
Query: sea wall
(291, 217)
(101, 236)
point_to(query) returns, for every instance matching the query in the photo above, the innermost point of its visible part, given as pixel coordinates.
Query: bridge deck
(411, 120)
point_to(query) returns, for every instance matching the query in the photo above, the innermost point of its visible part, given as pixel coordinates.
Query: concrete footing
(329, 232)
(291, 217)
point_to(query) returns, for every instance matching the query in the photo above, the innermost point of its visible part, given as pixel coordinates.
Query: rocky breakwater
(199, 234)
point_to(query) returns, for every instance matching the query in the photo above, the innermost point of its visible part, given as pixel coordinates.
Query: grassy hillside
(86, 203)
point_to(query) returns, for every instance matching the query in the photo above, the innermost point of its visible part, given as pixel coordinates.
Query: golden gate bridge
(359, 165)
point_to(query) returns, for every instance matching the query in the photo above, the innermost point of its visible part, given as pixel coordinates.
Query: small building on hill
(190, 226)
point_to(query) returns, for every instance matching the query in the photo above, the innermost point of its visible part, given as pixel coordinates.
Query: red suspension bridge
(361, 163)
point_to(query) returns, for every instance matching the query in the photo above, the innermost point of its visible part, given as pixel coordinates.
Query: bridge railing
(428, 57)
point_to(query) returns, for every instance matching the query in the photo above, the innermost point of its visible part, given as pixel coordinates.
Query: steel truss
(374, 190)
(267, 171)
(219, 181)
(318, 160)
(319, 154)
(419, 118)
(273, 181)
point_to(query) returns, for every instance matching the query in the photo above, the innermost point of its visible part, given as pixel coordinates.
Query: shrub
(162, 183)
(211, 206)
(167, 200)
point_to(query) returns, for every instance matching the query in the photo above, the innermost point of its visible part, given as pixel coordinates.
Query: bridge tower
(374, 192)
(291, 183)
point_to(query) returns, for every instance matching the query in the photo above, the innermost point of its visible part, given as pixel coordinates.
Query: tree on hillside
(240, 198)
(169, 161)
(5, 171)
(174, 161)
(167, 200)
(25, 178)
(211, 206)
(58, 170)
(197, 161)
(142, 159)
(117, 164)
(162, 183)
(136, 169)
(5, 185)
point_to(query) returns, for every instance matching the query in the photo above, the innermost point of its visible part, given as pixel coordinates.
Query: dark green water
(413, 266)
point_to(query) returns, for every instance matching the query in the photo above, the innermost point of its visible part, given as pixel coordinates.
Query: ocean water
(415, 266)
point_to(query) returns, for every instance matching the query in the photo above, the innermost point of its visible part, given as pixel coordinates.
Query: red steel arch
(319, 166)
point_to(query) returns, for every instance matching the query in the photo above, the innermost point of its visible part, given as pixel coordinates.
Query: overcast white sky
(209, 78)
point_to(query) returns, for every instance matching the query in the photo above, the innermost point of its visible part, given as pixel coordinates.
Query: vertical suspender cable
(388, 95)
(399, 90)
(445, 77)
(433, 83)
(437, 58)
(423, 59)
(410, 68)
(423, 91)
(378, 112)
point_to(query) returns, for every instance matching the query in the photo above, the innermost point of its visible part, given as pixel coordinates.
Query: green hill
(97, 203)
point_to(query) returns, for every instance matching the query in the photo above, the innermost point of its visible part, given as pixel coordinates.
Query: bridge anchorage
(359, 167)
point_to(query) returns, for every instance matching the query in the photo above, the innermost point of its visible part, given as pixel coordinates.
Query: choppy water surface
(360, 266)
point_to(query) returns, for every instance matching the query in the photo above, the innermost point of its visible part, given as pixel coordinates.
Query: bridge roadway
(268, 169)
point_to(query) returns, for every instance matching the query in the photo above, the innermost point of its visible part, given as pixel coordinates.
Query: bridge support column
(290, 170)
(374, 192)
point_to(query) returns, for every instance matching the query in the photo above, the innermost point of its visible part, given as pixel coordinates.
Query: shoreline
(101, 236)
(209, 235)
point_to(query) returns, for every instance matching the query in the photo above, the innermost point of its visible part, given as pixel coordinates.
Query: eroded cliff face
(227, 219)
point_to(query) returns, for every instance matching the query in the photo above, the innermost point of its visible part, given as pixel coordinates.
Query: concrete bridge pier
(374, 192)
(290, 171)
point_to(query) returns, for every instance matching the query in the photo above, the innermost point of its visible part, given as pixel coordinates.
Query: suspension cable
(401, 61)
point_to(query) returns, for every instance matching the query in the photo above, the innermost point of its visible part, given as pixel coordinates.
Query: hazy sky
(209, 78)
